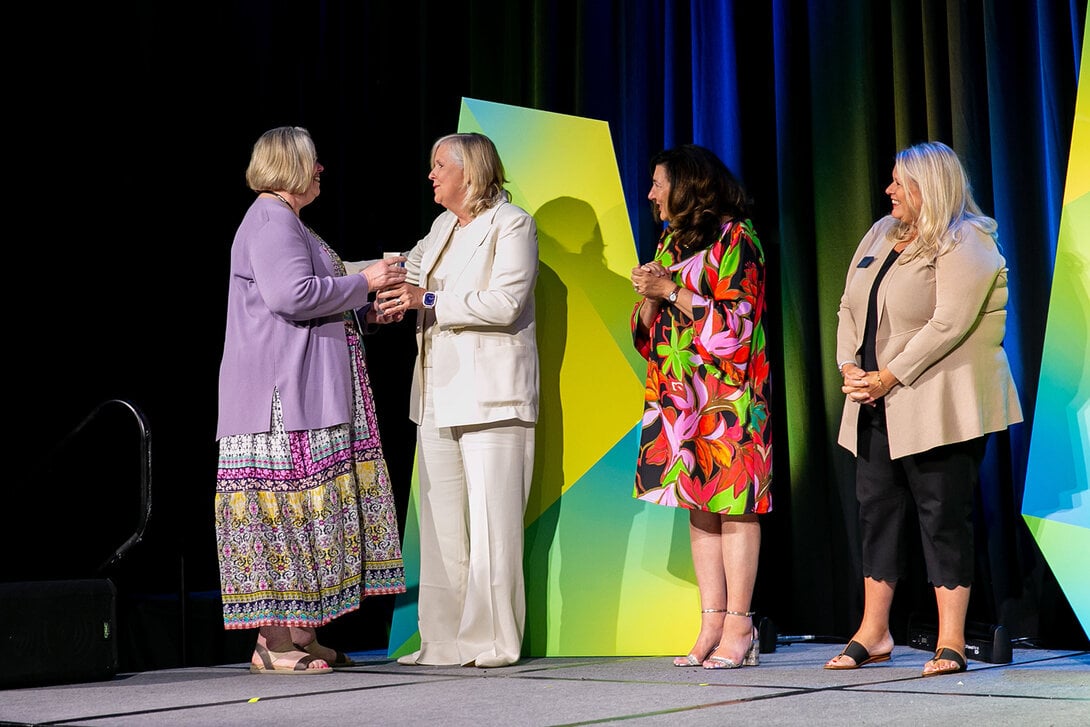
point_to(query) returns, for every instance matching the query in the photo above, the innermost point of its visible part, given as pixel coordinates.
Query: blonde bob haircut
(283, 158)
(946, 200)
(480, 162)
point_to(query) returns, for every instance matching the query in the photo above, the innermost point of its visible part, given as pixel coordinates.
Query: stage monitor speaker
(983, 642)
(57, 632)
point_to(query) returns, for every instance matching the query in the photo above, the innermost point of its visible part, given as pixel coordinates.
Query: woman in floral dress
(706, 441)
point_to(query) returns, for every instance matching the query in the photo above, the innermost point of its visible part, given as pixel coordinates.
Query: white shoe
(409, 659)
(487, 661)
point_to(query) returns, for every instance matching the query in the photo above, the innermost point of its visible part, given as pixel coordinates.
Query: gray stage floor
(788, 688)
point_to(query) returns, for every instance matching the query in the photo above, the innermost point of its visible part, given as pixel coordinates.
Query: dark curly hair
(703, 194)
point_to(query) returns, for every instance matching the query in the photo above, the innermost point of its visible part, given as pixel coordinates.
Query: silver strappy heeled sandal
(692, 659)
(753, 653)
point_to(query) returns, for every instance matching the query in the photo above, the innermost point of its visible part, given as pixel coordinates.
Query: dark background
(131, 124)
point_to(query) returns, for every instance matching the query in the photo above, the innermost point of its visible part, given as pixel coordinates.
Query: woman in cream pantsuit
(920, 349)
(474, 399)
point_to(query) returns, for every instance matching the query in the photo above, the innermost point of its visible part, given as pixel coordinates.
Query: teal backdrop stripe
(1056, 505)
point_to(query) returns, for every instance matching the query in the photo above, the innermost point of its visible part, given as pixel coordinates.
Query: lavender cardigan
(284, 327)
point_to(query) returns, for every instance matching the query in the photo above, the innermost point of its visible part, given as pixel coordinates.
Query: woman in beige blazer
(474, 399)
(920, 349)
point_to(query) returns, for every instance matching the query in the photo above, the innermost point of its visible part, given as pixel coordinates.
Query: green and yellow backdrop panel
(599, 564)
(1056, 502)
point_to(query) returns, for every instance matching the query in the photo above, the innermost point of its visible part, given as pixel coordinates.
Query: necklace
(277, 195)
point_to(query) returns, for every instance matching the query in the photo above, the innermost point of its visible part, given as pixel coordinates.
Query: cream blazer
(940, 332)
(482, 359)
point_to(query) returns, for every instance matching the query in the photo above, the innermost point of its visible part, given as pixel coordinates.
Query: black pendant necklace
(277, 195)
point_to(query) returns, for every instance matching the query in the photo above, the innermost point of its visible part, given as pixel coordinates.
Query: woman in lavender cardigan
(305, 520)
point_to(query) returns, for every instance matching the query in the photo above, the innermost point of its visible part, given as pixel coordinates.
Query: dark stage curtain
(139, 119)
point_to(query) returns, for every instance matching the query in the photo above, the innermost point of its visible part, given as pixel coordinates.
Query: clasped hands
(864, 387)
(399, 299)
(387, 278)
(652, 281)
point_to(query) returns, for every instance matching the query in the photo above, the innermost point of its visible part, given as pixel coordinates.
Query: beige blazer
(482, 359)
(940, 332)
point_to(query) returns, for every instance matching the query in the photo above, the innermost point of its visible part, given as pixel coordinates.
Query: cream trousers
(474, 483)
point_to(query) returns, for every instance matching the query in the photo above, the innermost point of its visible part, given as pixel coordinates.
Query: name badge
(866, 261)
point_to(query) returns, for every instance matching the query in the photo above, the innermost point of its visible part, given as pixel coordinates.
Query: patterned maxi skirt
(305, 520)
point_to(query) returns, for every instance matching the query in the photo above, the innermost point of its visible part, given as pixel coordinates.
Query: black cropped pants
(939, 483)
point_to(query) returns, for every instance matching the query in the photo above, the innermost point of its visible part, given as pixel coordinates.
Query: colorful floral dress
(706, 441)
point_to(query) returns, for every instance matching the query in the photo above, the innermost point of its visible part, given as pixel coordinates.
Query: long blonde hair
(946, 197)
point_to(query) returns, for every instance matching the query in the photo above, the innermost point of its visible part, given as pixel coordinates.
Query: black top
(866, 349)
